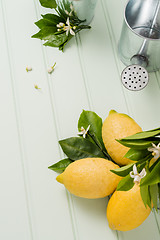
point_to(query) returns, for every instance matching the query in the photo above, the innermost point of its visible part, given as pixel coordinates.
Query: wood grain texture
(87, 76)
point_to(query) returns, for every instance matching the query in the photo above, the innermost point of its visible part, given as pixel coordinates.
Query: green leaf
(46, 33)
(42, 23)
(77, 148)
(153, 177)
(52, 18)
(144, 134)
(154, 164)
(48, 3)
(125, 184)
(139, 144)
(154, 195)
(61, 165)
(57, 40)
(49, 20)
(123, 171)
(62, 13)
(91, 118)
(135, 154)
(61, 47)
(145, 194)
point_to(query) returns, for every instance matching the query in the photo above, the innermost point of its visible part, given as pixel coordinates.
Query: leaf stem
(99, 145)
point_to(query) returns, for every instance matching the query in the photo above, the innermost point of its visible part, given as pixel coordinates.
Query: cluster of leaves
(78, 147)
(150, 184)
(48, 24)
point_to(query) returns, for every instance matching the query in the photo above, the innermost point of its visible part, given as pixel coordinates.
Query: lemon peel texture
(90, 178)
(117, 126)
(126, 210)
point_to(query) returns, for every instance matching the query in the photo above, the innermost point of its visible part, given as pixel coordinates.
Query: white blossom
(68, 28)
(83, 131)
(51, 69)
(36, 87)
(155, 150)
(137, 176)
(59, 25)
(28, 68)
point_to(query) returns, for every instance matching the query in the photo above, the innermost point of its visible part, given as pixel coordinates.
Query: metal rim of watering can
(141, 36)
(134, 77)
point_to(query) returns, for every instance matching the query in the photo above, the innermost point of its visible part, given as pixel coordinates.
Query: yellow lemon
(90, 178)
(117, 126)
(126, 210)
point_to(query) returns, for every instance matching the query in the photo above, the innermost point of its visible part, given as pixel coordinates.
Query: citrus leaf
(145, 195)
(125, 184)
(123, 171)
(46, 33)
(60, 166)
(154, 195)
(52, 18)
(144, 134)
(153, 177)
(91, 118)
(76, 148)
(48, 3)
(56, 40)
(49, 20)
(135, 154)
(139, 144)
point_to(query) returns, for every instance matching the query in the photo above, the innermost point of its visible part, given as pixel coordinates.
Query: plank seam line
(83, 70)
(156, 220)
(113, 43)
(158, 77)
(55, 121)
(17, 116)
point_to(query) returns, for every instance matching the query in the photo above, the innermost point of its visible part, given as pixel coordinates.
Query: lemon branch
(100, 146)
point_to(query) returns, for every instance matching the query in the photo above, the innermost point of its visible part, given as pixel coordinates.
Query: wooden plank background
(87, 76)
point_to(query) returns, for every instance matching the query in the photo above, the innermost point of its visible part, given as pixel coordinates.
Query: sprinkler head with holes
(134, 77)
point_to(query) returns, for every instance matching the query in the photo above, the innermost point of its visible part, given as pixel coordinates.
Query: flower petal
(143, 173)
(80, 133)
(154, 145)
(150, 149)
(156, 154)
(87, 128)
(132, 174)
(67, 22)
(137, 178)
(72, 32)
(135, 169)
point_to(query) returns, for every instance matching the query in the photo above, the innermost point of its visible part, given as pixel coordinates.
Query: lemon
(126, 210)
(90, 178)
(117, 126)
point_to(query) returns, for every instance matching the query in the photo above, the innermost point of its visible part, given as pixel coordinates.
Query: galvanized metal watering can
(139, 44)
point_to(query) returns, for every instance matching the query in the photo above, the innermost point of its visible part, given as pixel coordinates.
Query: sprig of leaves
(49, 32)
(138, 152)
(78, 147)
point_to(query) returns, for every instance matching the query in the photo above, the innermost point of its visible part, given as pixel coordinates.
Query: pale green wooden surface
(87, 76)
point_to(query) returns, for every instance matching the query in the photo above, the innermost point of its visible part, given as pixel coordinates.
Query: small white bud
(28, 68)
